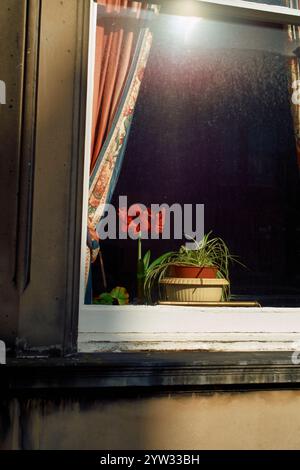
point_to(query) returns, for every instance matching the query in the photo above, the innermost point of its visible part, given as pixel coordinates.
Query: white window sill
(143, 328)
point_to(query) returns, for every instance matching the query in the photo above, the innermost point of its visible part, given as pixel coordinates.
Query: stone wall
(250, 420)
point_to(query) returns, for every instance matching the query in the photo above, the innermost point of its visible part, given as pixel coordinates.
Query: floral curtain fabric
(294, 38)
(122, 51)
(106, 169)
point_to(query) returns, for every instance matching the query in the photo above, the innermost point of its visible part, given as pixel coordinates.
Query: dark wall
(12, 51)
(43, 52)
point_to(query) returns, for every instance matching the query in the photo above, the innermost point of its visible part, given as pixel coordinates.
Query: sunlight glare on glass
(184, 26)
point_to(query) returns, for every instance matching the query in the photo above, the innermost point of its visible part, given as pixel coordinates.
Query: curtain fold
(294, 39)
(295, 75)
(108, 164)
(123, 43)
(116, 33)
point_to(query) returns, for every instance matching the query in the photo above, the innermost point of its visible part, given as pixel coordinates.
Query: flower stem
(139, 247)
(140, 273)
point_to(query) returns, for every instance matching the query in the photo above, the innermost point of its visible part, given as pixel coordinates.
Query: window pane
(283, 3)
(214, 125)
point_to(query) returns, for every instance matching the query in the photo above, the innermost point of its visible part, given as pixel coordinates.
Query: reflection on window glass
(214, 124)
(283, 3)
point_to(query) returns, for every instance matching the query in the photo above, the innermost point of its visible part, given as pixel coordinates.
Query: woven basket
(177, 289)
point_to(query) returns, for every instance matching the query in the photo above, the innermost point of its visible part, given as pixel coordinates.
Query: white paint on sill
(188, 328)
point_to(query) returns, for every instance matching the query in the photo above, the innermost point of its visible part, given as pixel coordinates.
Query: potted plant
(189, 275)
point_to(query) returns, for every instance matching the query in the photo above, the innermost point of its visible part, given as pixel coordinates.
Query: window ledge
(129, 328)
(167, 371)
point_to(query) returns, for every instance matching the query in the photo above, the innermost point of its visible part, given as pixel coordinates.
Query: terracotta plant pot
(192, 290)
(193, 272)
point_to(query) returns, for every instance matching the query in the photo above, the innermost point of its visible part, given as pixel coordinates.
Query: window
(213, 123)
(282, 3)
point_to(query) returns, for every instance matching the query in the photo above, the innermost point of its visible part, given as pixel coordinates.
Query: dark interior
(213, 126)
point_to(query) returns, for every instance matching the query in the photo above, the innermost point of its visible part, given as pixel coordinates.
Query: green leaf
(160, 260)
(146, 259)
(104, 299)
(121, 295)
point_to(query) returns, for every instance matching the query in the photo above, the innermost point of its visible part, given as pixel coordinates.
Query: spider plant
(210, 252)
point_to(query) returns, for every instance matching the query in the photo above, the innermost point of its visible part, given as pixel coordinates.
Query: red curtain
(115, 39)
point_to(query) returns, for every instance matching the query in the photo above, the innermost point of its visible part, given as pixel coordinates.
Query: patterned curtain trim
(104, 171)
(105, 174)
(295, 75)
(293, 37)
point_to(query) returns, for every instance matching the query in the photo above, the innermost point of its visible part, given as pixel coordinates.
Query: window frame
(131, 328)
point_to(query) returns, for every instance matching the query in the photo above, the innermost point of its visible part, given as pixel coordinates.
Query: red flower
(136, 223)
(142, 221)
(142, 214)
(158, 220)
(122, 212)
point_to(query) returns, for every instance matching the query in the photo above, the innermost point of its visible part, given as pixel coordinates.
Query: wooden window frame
(131, 328)
(46, 216)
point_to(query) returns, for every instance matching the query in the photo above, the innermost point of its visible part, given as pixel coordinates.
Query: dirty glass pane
(215, 124)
